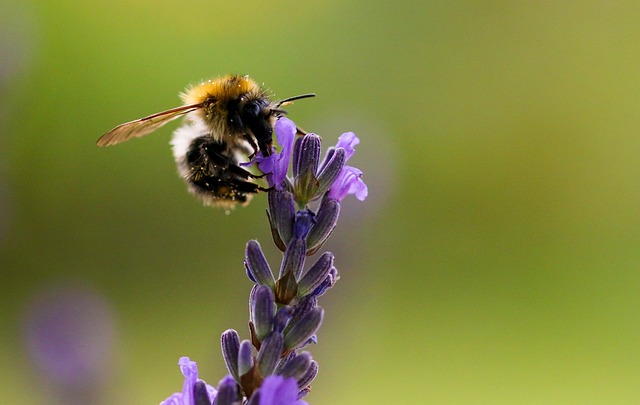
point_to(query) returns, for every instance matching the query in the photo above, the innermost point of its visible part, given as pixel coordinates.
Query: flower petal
(348, 141)
(186, 397)
(349, 181)
(278, 390)
(275, 165)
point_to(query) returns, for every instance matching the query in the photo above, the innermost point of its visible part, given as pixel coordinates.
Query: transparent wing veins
(144, 126)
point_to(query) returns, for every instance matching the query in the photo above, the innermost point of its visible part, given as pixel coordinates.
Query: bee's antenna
(290, 99)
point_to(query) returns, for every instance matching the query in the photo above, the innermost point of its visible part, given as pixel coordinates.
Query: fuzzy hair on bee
(227, 121)
(211, 167)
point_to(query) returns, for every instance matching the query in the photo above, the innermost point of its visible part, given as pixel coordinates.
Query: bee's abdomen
(213, 173)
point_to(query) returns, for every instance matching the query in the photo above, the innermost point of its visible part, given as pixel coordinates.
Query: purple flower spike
(284, 317)
(275, 165)
(278, 390)
(348, 182)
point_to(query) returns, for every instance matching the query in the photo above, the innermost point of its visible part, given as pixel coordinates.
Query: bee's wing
(144, 126)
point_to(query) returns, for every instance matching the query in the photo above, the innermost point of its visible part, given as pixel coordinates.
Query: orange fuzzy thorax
(222, 88)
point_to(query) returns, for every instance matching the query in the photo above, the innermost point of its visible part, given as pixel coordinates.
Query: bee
(227, 121)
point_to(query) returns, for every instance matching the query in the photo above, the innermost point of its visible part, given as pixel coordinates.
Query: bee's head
(256, 116)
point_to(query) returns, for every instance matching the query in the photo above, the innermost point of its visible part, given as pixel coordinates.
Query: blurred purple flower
(70, 334)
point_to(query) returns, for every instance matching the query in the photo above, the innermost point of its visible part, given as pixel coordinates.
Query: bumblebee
(227, 121)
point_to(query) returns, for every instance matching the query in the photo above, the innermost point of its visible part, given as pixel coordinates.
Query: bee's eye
(252, 109)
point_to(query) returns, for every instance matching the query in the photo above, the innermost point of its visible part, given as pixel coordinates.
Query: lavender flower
(277, 390)
(275, 166)
(194, 391)
(270, 367)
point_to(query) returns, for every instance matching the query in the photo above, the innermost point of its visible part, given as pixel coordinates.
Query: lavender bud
(331, 170)
(304, 220)
(297, 366)
(305, 182)
(230, 343)
(306, 155)
(257, 266)
(304, 328)
(282, 318)
(327, 157)
(327, 283)
(262, 312)
(281, 215)
(227, 392)
(269, 353)
(247, 271)
(302, 307)
(200, 393)
(284, 359)
(309, 375)
(315, 275)
(296, 153)
(245, 358)
(293, 260)
(325, 222)
(280, 244)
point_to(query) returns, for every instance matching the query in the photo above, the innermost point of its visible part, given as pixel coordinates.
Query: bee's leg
(235, 169)
(246, 186)
(249, 138)
(223, 161)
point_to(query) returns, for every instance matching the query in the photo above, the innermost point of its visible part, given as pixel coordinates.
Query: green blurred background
(496, 260)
